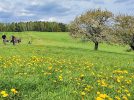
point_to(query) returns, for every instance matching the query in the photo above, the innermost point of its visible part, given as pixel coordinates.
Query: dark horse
(15, 40)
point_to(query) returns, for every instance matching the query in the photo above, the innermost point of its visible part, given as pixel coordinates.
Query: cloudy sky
(57, 10)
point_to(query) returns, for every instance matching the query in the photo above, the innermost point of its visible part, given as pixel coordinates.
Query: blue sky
(57, 10)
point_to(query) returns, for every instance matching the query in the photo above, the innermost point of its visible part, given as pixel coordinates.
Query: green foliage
(92, 25)
(124, 29)
(33, 26)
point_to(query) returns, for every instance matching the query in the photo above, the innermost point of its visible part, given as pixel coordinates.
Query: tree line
(33, 26)
(99, 26)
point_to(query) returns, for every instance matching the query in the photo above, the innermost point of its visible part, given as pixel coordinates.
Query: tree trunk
(132, 46)
(132, 43)
(96, 46)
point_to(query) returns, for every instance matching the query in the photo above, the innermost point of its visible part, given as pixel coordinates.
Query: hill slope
(56, 66)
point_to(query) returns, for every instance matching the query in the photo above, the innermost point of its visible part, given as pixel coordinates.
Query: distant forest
(33, 26)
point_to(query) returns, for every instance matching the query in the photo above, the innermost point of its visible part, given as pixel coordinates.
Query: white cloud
(51, 19)
(57, 10)
(24, 12)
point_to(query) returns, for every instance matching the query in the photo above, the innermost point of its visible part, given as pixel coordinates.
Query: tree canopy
(33, 26)
(124, 29)
(92, 25)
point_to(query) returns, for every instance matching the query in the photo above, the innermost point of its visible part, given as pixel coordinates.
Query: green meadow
(56, 66)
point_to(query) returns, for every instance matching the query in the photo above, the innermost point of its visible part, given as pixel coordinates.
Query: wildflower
(119, 91)
(128, 81)
(117, 98)
(124, 98)
(50, 67)
(128, 95)
(82, 75)
(5, 95)
(83, 93)
(110, 98)
(3, 92)
(126, 90)
(120, 72)
(99, 98)
(103, 96)
(60, 71)
(102, 83)
(98, 92)
(60, 78)
(118, 80)
(14, 91)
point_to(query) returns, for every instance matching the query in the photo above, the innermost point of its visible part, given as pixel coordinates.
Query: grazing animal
(15, 40)
(4, 38)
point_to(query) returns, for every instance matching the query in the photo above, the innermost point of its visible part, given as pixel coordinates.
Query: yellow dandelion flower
(117, 98)
(83, 93)
(98, 92)
(103, 96)
(124, 98)
(128, 94)
(110, 98)
(3, 92)
(14, 91)
(99, 98)
(5, 95)
(60, 78)
(126, 90)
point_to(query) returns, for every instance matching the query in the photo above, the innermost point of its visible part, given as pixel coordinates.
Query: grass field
(58, 67)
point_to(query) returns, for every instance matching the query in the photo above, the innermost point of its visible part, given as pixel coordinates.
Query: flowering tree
(124, 30)
(93, 25)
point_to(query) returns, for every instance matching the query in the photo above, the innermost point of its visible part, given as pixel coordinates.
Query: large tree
(92, 25)
(124, 30)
